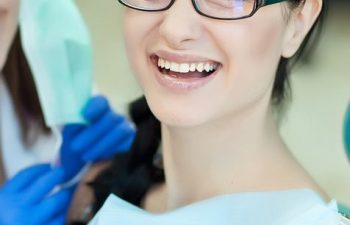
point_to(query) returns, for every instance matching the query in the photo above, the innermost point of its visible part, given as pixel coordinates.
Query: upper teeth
(186, 67)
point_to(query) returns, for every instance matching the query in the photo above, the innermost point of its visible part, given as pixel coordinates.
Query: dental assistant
(27, 144)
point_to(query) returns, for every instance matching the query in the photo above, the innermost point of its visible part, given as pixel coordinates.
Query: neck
(245, 150)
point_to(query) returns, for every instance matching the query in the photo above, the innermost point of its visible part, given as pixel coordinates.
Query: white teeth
(193, 67)
(200, 67)
(174, 67)
(186, 67)
(207, 67)
(167, 65)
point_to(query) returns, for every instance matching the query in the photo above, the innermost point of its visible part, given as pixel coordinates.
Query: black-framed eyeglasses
(216, 9)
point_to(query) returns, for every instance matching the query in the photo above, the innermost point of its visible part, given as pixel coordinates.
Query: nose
(180, 25)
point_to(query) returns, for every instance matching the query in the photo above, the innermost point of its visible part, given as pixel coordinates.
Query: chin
(177, 118)
(179, 112)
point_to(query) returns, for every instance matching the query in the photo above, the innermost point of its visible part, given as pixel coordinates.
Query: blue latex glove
(106, 134)
(25, 199)
(347, 132)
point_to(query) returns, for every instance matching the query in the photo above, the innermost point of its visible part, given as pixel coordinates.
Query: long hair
(131, 175)
(19, 81)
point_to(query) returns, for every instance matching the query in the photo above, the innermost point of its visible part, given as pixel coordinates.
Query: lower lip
(178, 84)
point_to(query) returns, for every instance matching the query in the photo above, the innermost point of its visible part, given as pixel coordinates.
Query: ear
(301, 21)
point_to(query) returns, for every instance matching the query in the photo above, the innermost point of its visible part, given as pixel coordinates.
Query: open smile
(186, 74)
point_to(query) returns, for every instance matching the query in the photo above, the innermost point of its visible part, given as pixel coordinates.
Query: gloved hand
(25, 199)
(347, 132)
(106, 134)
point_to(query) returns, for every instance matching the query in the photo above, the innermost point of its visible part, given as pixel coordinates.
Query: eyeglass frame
(257, 5)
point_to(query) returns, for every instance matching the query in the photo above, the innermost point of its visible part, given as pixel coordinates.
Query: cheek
(256, 41)
(252, 50)
(138, 29)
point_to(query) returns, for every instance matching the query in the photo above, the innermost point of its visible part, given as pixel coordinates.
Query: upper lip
(182, 58)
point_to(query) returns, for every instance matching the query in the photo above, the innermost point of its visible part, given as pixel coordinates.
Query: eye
(236, 7)
(149, 4)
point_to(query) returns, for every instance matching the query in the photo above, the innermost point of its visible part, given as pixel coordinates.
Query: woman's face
(8, 26)
(244, 55)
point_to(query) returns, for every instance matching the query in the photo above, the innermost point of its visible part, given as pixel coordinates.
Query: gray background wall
(313, 124)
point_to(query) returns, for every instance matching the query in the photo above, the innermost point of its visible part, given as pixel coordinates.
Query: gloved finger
(44, 185)
(94, 132)
(109, 145)
(96, 107)
(126, 142)
(25, 177)
(59, 220)
(71, 163)
(70, 130)
(69, 160)
(107, 154)
(123, 143)
(53, 206)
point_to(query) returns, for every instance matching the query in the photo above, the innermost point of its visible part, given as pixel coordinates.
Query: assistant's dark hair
(131, 175)
(19, 81)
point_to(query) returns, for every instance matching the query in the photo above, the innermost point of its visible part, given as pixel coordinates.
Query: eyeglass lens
(225, 9)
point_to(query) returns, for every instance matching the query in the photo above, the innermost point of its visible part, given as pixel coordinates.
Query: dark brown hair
(19, 80)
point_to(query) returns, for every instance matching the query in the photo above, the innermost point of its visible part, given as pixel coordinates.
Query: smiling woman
(211, 86)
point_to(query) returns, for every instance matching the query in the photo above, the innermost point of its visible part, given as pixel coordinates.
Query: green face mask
(58, 49)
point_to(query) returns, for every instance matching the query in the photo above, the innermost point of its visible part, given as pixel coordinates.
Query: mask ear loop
(58, 143)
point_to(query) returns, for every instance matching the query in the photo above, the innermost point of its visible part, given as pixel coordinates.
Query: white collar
(264, 208)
